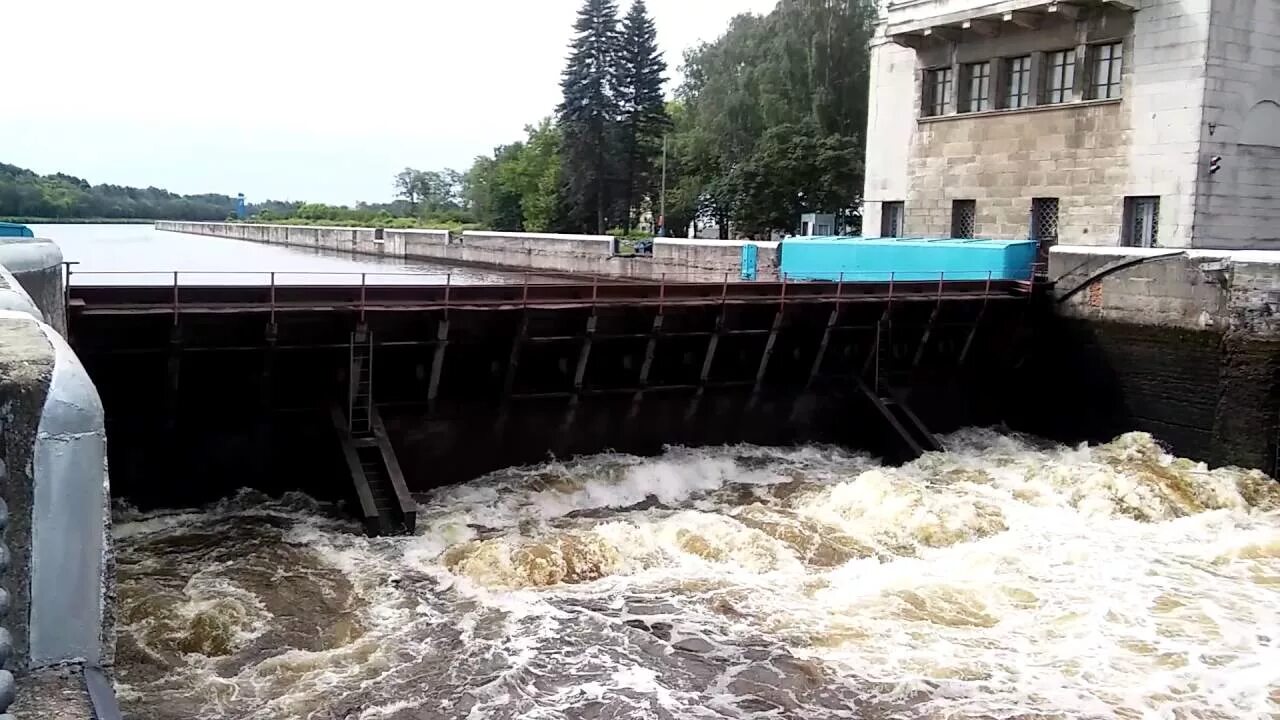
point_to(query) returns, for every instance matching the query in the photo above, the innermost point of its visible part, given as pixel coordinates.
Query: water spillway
(1003, 578)
(236, 386)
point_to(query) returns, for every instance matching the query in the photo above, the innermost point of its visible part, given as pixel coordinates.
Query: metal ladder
(360, 384)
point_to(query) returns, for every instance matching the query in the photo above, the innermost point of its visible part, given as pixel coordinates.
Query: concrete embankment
(56, 573)
(674, 258)
(1183, 344)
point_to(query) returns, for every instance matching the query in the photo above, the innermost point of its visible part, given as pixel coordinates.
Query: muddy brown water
(1003, 578)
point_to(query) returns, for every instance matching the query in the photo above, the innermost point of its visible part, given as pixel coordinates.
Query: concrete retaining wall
(1182, 344)
(56, 564)
(674, 258)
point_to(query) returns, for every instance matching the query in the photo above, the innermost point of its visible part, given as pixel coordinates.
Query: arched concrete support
(37, 266)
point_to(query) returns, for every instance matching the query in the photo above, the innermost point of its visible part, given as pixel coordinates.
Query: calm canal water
(140, 254)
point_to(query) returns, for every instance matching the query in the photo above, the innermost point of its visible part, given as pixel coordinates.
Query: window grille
(1142, 226)
(1044, 220)
(963, 218)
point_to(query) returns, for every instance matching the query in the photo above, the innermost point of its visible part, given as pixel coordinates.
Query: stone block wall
(1088, 154)
(1239, 206)
(1073, 153)
(1182, 344)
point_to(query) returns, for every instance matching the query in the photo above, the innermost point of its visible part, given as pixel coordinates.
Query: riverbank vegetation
(60, 197)
(768, 122)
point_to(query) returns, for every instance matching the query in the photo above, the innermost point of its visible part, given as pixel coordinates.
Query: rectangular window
(1018, 80)
(1044, 220)
(1106, 70)
(939, 91)
(979, 87)
(891, 215)
(1060, 75)
(1141, 221)
(963, 217)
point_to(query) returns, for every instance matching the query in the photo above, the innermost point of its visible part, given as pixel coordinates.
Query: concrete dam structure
(373, 395)
(275, 387)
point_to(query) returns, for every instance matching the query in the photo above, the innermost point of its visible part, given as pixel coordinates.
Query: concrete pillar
(58, 583)
(37, 266)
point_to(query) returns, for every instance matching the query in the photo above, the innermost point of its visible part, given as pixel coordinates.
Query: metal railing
(274, 290)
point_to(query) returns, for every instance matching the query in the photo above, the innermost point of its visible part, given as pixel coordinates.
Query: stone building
(1134, 122)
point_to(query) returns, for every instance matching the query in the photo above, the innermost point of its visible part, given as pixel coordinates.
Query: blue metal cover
(856, 259)
(8, 229)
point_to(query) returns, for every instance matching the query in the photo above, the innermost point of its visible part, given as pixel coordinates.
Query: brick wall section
(1240, 205)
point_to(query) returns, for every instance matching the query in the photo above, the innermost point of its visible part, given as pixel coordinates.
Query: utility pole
(662, 196)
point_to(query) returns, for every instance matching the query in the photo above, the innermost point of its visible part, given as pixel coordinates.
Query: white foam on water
(997, 579)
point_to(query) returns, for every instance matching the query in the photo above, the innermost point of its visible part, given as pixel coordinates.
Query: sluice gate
(209, 389)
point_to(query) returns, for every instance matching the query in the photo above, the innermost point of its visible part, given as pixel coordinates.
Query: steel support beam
(707, 360)
(580, 373)
(763, 367)
(437, 363)
(650, 352)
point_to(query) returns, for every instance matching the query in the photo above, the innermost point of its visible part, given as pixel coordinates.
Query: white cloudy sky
(290, 99)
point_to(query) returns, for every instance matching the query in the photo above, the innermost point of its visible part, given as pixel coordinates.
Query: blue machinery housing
(855, 259)
(8, 229)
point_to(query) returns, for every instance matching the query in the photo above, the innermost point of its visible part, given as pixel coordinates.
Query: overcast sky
(289, 99)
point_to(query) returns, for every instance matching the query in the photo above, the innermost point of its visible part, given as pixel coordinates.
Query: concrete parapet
(1234, 292)
(674, 258)
(54, 483)
(36, 264)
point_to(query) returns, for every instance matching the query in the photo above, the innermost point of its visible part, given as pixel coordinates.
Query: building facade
(1136, 122)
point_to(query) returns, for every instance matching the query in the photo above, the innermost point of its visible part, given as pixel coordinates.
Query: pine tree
(638, 77)
(588, 114)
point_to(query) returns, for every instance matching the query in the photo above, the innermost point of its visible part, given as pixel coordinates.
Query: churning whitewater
(1004, 578)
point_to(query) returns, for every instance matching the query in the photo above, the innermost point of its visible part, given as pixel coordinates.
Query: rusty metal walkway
(279, 294)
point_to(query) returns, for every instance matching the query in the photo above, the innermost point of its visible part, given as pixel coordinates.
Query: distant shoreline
(77, 221)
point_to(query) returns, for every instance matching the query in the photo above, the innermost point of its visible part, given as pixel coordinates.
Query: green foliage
(776, 114)
(58, 197)
(428, 191)
(642, 121)
(519, 187)
(588, 113)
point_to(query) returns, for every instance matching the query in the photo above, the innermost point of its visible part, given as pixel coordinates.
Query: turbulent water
(1001, 579)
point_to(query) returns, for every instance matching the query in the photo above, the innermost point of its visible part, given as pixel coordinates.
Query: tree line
(26, 194)
(768, 123)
